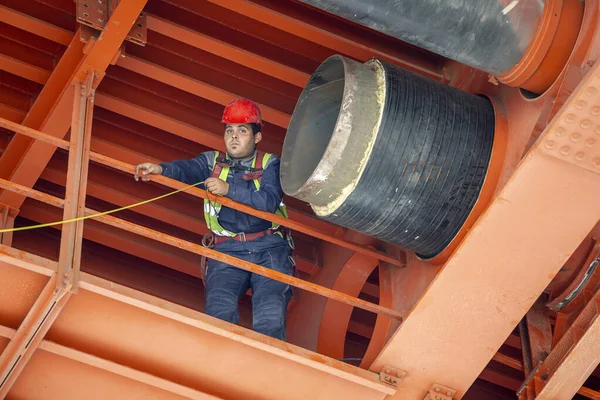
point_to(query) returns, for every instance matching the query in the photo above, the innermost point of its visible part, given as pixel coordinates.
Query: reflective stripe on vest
(211, 210)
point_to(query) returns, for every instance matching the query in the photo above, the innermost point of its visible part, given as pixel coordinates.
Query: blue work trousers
(225, 285)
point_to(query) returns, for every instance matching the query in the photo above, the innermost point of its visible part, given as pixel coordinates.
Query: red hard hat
(241, 111)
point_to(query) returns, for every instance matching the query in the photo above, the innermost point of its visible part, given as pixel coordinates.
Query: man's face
(239, 140)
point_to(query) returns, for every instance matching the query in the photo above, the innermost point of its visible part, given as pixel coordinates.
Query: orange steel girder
(511, 254)
(229, 353)
(25, 159)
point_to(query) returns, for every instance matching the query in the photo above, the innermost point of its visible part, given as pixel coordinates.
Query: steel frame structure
(420, 330)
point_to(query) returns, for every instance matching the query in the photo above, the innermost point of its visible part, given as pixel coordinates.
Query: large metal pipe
(491, 35)
(387, 152)
(525, 43)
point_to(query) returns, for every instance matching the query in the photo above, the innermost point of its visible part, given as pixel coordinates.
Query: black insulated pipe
(490, 35)
(388, 153)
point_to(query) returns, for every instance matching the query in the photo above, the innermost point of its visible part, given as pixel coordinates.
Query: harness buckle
(208, 240)
(288, 236)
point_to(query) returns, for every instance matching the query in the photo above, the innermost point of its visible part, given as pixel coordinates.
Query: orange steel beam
(115, 368)
(276, 16)
(174, 31)
(24, 160)
(33, 25)
(11, 114)
(30, 333)
(185, 336)
(169, 124)
(290, 223)
(574, 358)
(69, 258)
(195, 87)
(542, 214)
(227, 51)
(209, 253)
(23, 69)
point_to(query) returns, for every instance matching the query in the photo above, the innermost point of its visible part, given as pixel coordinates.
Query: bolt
(398, 374)
(590, 91)
(437, 389)
(544, 377)
(387, 371)
(449, 393)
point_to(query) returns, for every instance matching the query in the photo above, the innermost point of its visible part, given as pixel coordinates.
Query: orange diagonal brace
(25, 159)
(510, 255)
(29, 335)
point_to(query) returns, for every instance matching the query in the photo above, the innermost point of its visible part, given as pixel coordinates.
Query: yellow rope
(24, 228)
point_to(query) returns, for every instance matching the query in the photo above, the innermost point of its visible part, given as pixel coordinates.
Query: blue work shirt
(268, 198)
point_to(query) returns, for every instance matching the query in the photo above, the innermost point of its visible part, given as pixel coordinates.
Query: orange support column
(79, 154)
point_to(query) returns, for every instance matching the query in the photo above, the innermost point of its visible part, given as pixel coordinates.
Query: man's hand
(145, 169)
(217, 186)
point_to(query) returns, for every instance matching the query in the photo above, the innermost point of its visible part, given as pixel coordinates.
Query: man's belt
(212, 240)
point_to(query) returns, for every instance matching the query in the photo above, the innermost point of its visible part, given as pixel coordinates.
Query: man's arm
(269, 197)
(188, 171)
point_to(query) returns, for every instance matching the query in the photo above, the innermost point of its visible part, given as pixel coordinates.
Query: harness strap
(255, 172)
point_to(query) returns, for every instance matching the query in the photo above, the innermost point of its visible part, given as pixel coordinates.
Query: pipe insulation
(387, 152)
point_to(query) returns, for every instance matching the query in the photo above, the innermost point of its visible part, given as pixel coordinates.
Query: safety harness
(221, 167)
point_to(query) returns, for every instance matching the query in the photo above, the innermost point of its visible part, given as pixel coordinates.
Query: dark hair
(255, 128)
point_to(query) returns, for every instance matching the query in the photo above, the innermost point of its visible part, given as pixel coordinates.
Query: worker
(250, 177)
